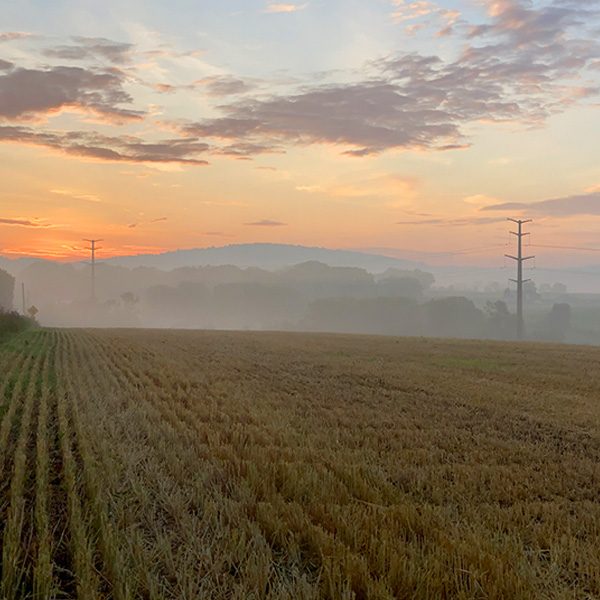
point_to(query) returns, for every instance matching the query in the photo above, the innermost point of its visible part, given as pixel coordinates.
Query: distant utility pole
(23, 298)
(519, 280)
(93, 248)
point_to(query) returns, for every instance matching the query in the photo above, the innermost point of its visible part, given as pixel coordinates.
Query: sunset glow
(410, 128)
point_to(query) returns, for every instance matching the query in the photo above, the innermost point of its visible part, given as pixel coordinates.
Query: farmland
(146, 464)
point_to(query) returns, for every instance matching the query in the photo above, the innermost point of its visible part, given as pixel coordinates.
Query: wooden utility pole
(520, 259)
(93, 248)
(23, 299)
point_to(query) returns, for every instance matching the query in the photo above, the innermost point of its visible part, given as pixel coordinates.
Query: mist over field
(320, 290)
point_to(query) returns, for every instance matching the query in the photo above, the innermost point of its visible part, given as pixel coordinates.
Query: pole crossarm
(93, 244)
(520, 259)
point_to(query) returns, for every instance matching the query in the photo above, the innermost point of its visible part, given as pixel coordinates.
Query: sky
(408, 128)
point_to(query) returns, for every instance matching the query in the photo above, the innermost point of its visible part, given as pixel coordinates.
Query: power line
(520, 259)
(93, 249)
(474, 250)
(566, 247)
(572, 271)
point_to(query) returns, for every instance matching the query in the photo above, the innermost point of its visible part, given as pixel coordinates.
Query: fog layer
(310, 296)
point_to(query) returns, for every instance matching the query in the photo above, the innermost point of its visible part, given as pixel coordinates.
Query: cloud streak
(150, 222)
(426, 13)
(462, 222)
(76, 195)
(224, 85)
(266, 223)
(283, 7)
(580, 204)
(23, 222)
(86, 48)
(11, 36)
(128, 149)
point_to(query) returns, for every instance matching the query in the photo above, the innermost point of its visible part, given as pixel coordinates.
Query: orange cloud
(24, 222)
(266, 223)
(280, 7)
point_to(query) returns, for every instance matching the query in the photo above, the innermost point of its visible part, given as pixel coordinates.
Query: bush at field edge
(13, 322)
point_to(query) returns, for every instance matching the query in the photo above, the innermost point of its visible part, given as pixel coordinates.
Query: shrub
(13, 322)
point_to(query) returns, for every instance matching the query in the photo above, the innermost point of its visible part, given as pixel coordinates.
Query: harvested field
(184, 465)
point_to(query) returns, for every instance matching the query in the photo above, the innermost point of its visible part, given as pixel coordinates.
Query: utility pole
(519, 280)
(93, 248)
(23, 298)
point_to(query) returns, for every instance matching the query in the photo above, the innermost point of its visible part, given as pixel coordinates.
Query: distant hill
(266, 256)
(15, 265)
(583, 279)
